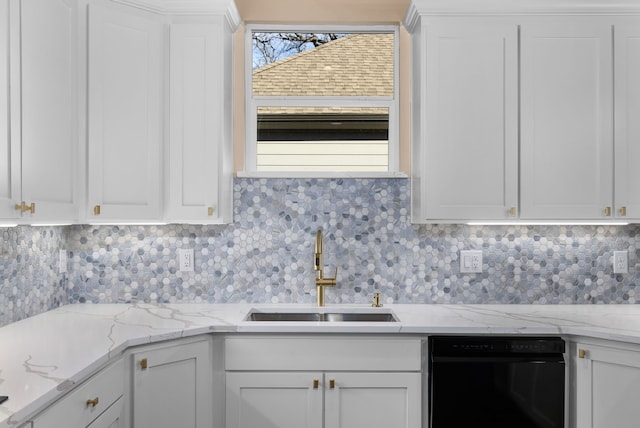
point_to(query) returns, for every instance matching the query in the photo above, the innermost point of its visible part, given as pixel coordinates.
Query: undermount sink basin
(321, 316)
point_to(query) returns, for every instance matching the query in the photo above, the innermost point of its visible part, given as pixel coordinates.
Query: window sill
(301, 174)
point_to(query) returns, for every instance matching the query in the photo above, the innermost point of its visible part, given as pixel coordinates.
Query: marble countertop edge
(44, 364)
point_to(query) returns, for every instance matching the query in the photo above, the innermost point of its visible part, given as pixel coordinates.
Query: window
(322, 100)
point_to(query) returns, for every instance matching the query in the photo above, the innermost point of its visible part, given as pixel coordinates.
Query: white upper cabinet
(567, 120)
(9, 147)
(49, 108)
(199, 177)
(467, 139)
(513, 111)
(125, 112)
(39, 166)
(627, 119)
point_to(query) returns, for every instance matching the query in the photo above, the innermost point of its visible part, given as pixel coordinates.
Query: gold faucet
(321, 281)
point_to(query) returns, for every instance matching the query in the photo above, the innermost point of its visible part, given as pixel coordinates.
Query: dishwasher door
(481, 383)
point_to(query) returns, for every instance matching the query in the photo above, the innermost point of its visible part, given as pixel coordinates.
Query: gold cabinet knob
(93, 403)
(623, 211)
(332, 383)
(143, 363)
(210, 211)
(316, 383)
(96, 210)
(582, 353)
(607, 211)
(512, 212)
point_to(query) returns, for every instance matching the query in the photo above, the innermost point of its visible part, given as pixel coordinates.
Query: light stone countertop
(43, 357)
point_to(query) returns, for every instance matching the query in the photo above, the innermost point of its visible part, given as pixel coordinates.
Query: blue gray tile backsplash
(265, 256)
(30, 282)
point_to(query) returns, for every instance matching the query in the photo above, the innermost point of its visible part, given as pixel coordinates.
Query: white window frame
(253, 102)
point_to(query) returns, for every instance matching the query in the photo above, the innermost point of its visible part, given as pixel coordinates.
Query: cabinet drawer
(74, 410)
(322, 353)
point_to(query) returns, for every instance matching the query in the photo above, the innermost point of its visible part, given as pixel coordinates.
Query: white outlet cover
(471, 261)
(62, 261)
(185, 259)
(620, 262)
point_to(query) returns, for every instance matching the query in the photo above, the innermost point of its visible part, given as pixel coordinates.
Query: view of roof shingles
(354, 65)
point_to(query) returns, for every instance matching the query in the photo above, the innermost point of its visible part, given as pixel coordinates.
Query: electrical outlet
(185, 259)
(62, 261)
(471, 261)
(620, 262)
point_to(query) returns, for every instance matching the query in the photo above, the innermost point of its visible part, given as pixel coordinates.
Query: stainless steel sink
(322, 317)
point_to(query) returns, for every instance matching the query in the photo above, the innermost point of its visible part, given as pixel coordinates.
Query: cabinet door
(627, 125)
(470, 165)
(9, 133)
(49, 114)
(125, 112)
(270, 399)
(196, 122)
(173, 387)
(373, 400)
(607, 387)
(567, 130)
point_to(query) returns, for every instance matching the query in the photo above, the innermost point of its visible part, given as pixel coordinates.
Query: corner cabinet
(607, 382)
(173, 385)
(39, 111)
(525, 112)
(125, 114)
(323, 382)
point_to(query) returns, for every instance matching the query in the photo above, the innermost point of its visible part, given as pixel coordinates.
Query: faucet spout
(321, 281)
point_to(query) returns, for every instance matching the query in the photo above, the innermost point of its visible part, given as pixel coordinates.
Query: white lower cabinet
(267, 399)
(97, 403)
(371, 399)
(173, 385)
(607, 382)
(321, 382)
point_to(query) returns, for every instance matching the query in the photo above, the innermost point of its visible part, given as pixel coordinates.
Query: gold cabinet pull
(623, 211)
(582, 353)
(512, 212)
(210, 211)
(316, 382)
(23, 207)
(93, 403)
(332, 383)
(96, 210)
(143, 363)
(607, 211)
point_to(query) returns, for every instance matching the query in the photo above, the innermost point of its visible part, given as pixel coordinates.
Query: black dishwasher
(496, 382)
